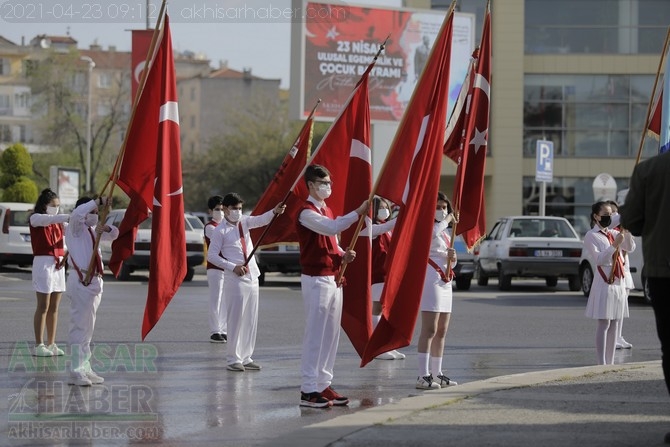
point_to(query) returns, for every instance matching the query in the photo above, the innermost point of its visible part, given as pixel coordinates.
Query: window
(5, 133)
(587, 115)
(5, 67)
(104, 80)
(595, 26)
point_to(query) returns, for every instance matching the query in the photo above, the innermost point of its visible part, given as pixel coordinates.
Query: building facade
(579, 73)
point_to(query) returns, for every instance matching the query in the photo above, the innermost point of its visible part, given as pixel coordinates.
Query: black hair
(232, 199)
(443, 197)
(315, 172)
(46, 196)
(213, 201)
(82, 200)
(595, 209)
(376, 204)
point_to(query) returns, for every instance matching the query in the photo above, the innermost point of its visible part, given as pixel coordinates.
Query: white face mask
(234, 215)
(217, 215)
(323, 191)
(383, 213)
(52, 210)
(91, 220)
(440, 215)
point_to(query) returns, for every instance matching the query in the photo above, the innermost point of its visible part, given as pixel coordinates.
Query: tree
(246, 160)
(59, 85)
(16, 166)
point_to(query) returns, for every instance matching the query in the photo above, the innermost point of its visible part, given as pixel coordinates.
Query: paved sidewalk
(619, 405)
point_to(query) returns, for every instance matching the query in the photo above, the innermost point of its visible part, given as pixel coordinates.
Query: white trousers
(217, 304)
(323, 313)
(241, 298)
(84, 302)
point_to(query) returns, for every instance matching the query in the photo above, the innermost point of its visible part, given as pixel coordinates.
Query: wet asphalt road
(173, 388)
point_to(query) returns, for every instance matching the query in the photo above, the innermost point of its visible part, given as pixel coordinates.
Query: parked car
(283, 258)
(195, 245)
(587, 268)
(15, 245)
(464, 269)
(530, 246)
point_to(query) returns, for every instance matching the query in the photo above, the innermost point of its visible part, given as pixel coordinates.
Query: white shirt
(225, 248)
(44, 220)
(440, 243)
(78, 235)
(322, 224)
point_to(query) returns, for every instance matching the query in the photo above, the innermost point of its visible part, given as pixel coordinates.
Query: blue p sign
(544, 169)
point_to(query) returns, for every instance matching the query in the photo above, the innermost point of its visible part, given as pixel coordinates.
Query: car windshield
(541, 228)
(189, 222)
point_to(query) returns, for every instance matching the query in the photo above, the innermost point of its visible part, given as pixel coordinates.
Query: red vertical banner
(141, 41)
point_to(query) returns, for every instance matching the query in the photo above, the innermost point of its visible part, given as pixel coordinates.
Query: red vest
(47, 241)
(319, 254)
(380, 250)
(207, 241)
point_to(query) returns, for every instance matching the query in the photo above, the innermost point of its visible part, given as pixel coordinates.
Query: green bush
(16, 166)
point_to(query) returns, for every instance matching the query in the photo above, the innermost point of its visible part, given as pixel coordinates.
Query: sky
(242, 38)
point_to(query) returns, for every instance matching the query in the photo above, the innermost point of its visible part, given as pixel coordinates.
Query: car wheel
(574, 283)
(551, 281)
(504, 281)
(463, 282)
(190, 271)
(124, 274)
(482, 279)
(586, 275)
(645, 289)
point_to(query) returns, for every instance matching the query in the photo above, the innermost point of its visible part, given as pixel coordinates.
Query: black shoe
(666, 439)
(314, 400)
(224, 337)
(217, 338)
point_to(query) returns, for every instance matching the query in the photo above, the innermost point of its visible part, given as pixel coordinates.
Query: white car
(195, 245)
(15, 247)
(530, 246)
(586, 269)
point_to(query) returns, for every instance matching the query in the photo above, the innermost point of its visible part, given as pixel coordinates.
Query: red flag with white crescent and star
(151, 176)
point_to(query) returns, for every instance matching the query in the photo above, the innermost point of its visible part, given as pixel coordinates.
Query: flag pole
(117, 165)
(653, 93)
(283, 202)
(354, 239)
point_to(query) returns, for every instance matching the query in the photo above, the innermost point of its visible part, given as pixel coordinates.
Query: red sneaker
(334, 397)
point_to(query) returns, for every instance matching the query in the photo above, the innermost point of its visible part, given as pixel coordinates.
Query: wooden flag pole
(104, 211)
(283, 202)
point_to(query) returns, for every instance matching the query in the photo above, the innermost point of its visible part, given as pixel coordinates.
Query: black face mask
(605, 221)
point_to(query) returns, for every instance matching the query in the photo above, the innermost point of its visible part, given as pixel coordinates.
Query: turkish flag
(411, 180)
(345, 152)
(151, 175)
(469, 185)
(293, 165)
(141, 42)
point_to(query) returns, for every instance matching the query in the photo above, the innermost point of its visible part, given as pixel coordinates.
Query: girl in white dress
(608, 294)
(436, 302)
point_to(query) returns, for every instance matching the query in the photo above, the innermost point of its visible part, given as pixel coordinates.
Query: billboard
(339, 41)
(66, 183)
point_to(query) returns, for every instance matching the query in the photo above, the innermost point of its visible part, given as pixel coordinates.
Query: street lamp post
(91, 66)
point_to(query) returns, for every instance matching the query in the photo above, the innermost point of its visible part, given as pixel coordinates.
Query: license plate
(548, 253)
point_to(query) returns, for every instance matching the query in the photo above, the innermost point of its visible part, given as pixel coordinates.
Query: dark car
(283, 258)
(464, 269)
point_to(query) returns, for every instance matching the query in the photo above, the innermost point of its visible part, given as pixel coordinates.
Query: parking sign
(544, 166)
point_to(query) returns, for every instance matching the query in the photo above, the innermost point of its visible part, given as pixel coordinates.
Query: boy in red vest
(320, 258)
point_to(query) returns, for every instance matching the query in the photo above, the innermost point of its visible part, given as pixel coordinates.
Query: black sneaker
(217, 338)
(314, 400)
(224, 337)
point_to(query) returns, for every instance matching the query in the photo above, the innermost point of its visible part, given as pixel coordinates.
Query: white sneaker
(426, 383)
(79, 379)
(623, 344)
(398, 355)
(94, 378)
(42, 351)
(445, 381)
(386, 356)
(55, 349)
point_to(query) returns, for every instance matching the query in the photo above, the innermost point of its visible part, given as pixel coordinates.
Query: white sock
(436, 366)
(375, 320)
(423, 364)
